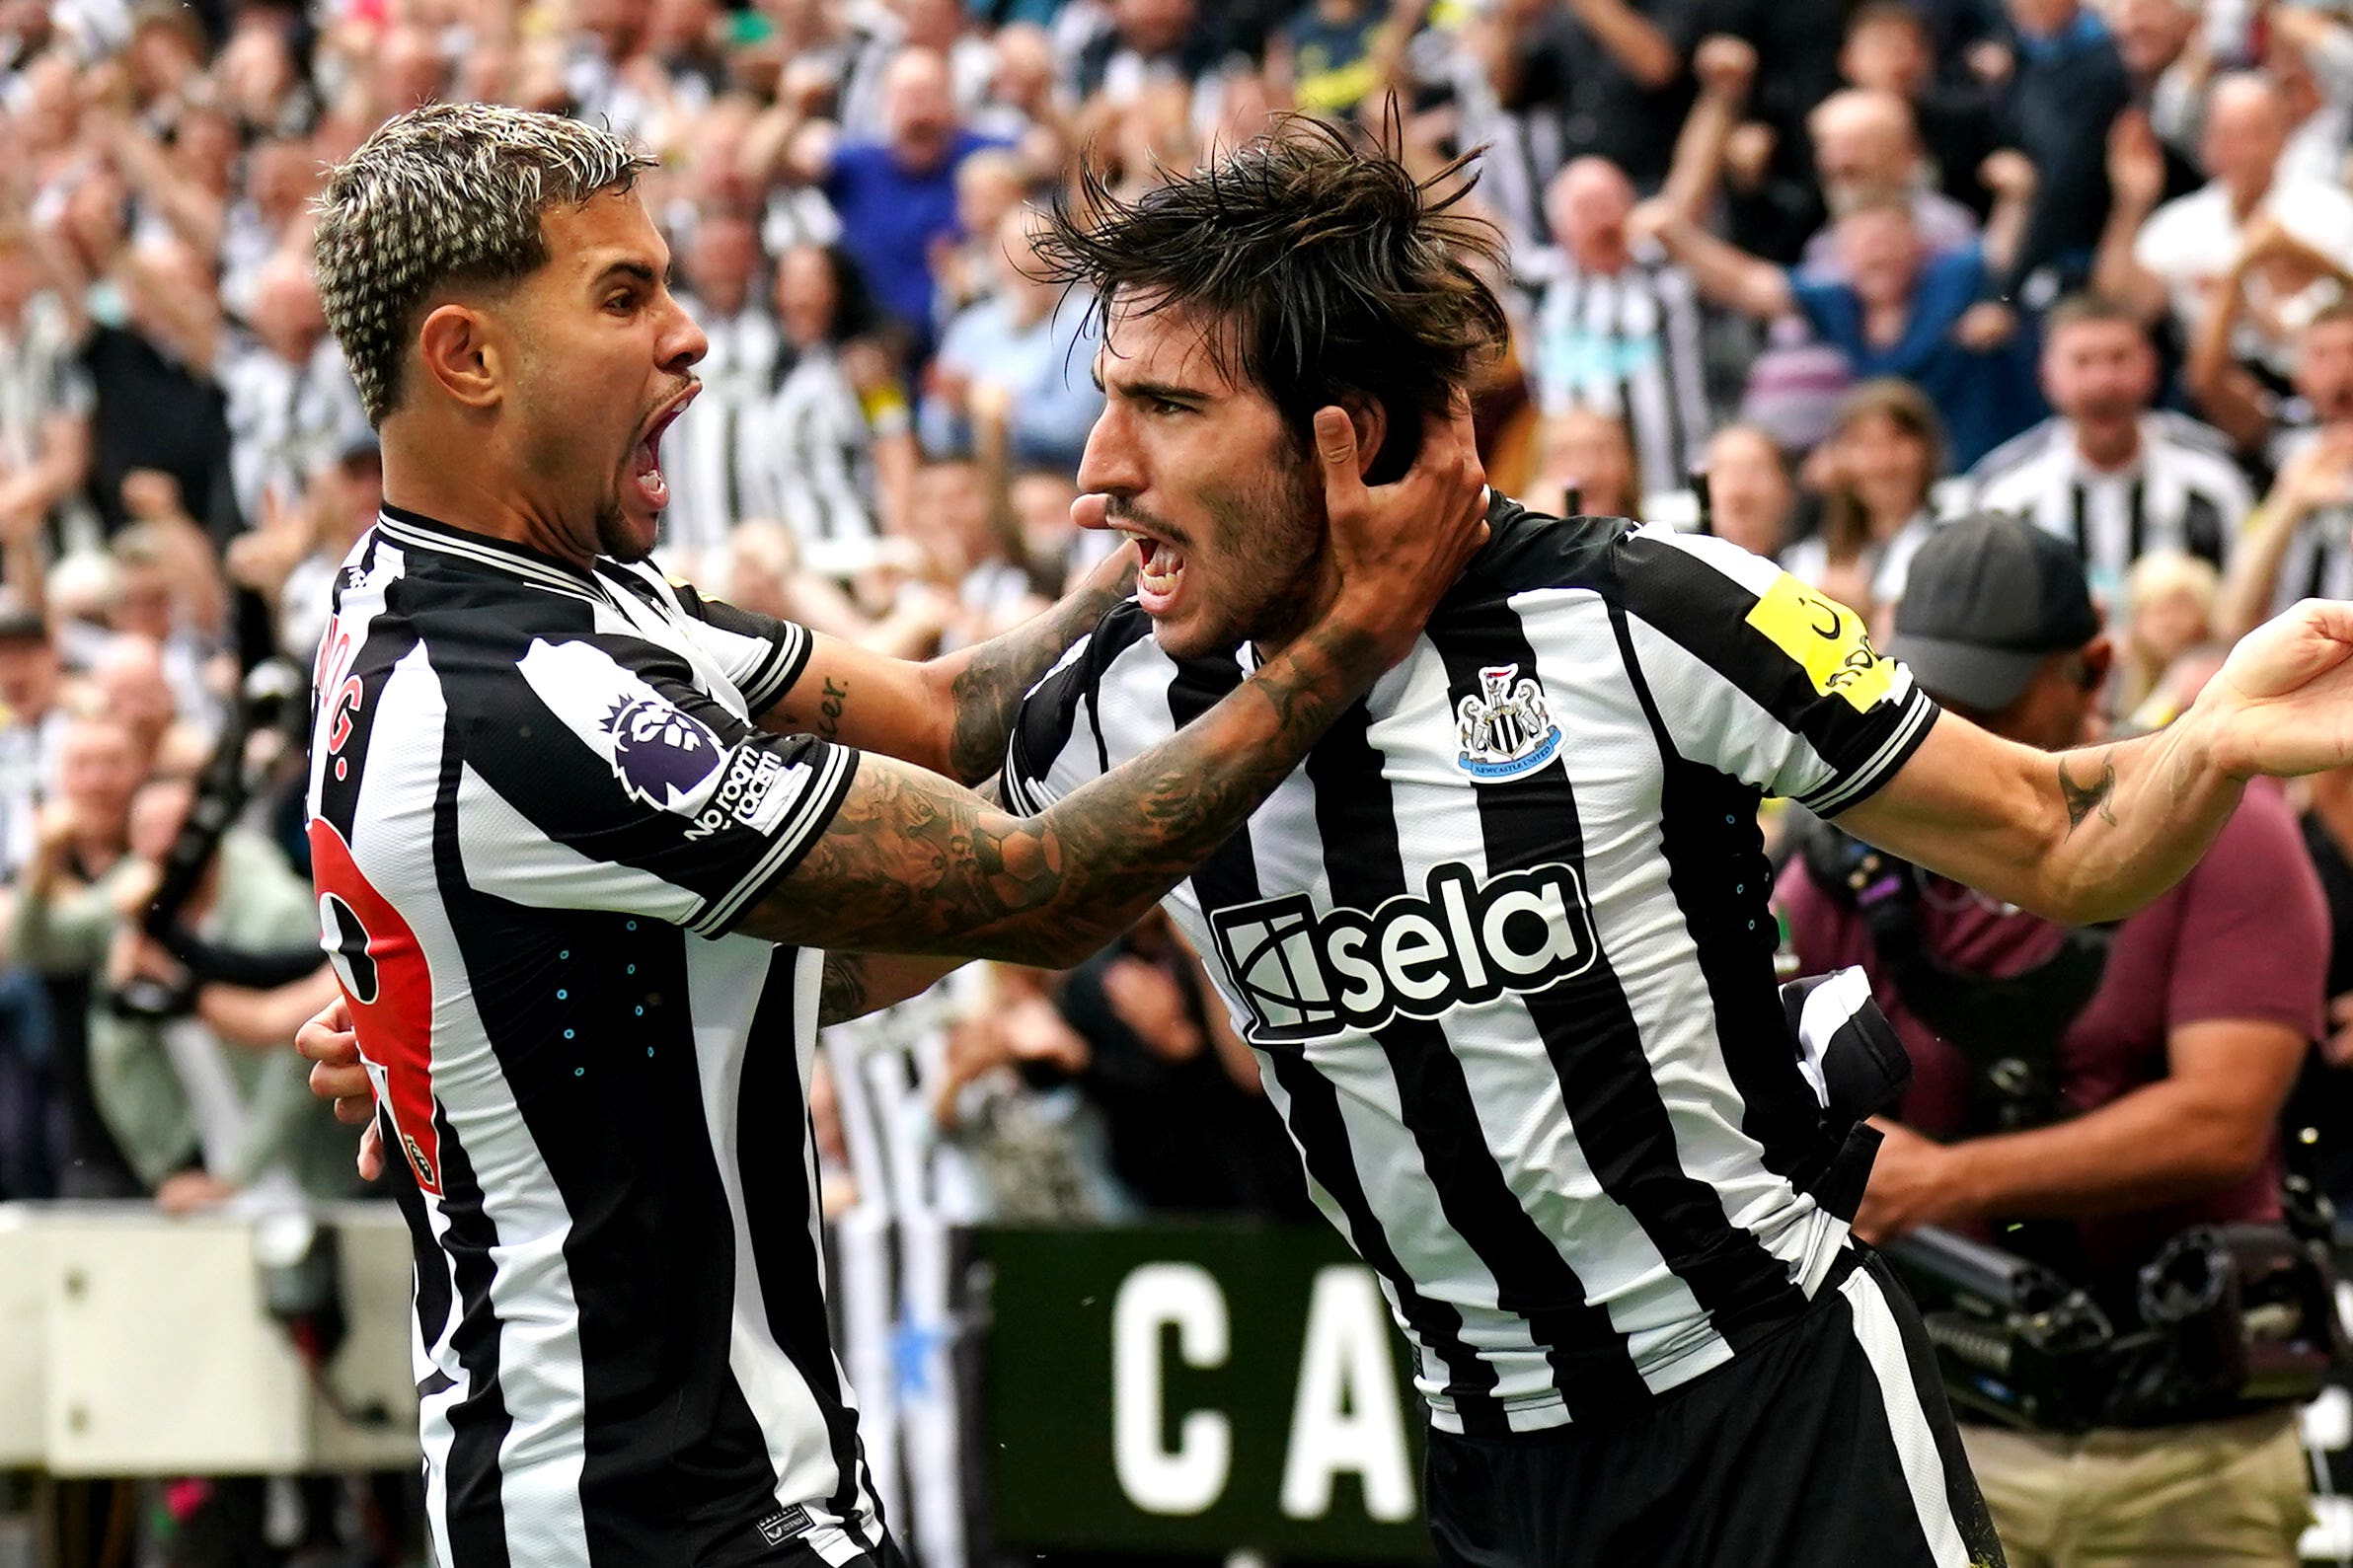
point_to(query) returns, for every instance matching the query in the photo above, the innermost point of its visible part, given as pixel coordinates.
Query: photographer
(2082, 1097)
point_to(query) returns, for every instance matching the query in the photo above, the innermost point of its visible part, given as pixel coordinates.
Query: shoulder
(2257, 873)
(2177, 220)
(2263, 830)
(1529, 550)
(1670, 579)
(2194, 435)
(2015, 453)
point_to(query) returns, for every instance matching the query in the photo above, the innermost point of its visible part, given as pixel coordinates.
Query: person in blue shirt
(896, 197)
(1024, 355)
(1898, 311)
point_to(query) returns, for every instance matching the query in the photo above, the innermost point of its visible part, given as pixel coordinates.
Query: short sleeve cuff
(792, 840)
(1853, 786)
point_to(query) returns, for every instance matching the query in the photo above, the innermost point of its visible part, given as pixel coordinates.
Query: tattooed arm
(951, 714)
(913, 864)
(2094, 833)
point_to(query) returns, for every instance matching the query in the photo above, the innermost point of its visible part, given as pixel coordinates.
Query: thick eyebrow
(1149, 391)
(639, 271)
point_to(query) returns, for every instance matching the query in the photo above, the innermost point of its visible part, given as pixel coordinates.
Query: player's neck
(477, 500)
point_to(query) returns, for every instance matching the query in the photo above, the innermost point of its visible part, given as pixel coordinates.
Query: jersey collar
(415, 531)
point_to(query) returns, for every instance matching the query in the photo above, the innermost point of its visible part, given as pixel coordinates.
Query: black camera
(223, 786)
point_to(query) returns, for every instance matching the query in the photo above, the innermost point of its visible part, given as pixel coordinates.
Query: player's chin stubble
(614, 537)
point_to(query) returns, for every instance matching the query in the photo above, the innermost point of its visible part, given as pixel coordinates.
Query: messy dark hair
(1318, 264)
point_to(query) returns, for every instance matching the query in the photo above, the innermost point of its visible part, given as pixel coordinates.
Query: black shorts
(1828, 1445)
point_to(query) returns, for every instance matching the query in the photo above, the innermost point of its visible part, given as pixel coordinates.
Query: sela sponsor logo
(747, 794)
(662, 755)
(1309, 977)
(1505, 728)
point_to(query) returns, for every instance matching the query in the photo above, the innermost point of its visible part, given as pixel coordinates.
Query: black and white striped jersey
(2185, 493)
(2317, 563)
(537, 810)
(1626, 343)
(714, 449)
(1504, 948)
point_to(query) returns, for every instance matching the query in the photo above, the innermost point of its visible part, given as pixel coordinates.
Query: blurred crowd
(1863, 264)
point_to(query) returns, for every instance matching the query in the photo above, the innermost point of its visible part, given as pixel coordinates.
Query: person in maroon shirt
(2168, 1081)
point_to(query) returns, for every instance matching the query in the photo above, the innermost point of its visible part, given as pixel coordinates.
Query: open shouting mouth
(652, 487)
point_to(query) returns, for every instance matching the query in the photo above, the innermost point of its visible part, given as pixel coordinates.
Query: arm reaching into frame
(2092, 835)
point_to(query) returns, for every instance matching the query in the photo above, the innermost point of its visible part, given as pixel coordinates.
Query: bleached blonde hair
(449, 193)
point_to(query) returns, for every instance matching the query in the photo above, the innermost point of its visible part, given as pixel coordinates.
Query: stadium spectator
(1866, 142)
(1615, 326)
(44, 395)
(1586, 456)
(82, 835)
(2172, 257)
(895, 194)
(1890, 47)
(1748, 484)
(289, 400)
(2241, 393)
(2066, 88)
(714, 446)
(2167, 609)
(2167, 59)
(1014, 369)
(1601, 77)
(1877, 466)
(2106, 472)
(1189, 1128)
(835, 448)
(1904, 313)
(2300, 542)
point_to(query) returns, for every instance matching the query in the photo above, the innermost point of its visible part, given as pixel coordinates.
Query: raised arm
(2227, 391)
(2136, 185)
(1726, 274)
(1639, 45)
(912, 863)
(2092, 835)
(1726, 67)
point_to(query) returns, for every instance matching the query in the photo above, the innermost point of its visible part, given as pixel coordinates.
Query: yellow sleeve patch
(1827, 639)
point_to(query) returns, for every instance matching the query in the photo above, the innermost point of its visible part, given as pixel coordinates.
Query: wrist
(1963, 1182)
(1343, 650)
(2197, 744)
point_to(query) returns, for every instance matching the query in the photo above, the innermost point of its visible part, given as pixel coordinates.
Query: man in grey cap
(2118, 1086)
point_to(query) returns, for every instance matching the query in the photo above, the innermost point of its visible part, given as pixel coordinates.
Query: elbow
(2220, 1153)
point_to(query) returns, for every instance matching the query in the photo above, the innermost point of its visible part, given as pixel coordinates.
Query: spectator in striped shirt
(2107, 473)
(1616, 325)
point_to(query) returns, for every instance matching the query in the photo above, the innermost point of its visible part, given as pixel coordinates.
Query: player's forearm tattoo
(2084, 798)
(1000, 672)
(911, 865)
(842, 993)
(829, 709)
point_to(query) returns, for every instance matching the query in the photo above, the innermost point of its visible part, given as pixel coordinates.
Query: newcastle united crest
(1505, 729)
